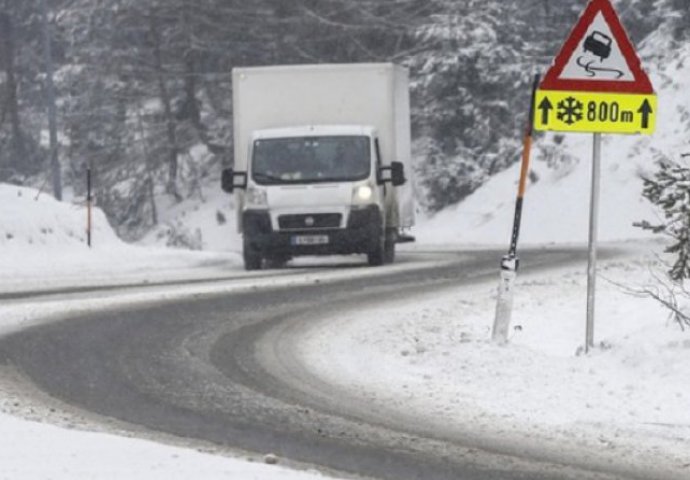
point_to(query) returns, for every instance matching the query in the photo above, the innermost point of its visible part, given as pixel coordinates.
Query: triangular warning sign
(598, 57)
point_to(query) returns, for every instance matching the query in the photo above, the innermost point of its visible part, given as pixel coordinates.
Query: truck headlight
(256, 198)
(362, 195)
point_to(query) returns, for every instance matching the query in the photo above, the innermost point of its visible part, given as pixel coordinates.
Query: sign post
(596, 85)
(593, 230)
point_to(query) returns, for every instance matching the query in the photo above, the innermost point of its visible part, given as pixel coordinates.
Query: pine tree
(669, 189)
(21, 95)
(675, 18)
(134, 98)
(463, 107)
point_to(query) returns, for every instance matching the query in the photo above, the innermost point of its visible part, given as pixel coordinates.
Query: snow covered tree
(465, 102)
(669, 189)
(675, 17)
(143, 83)
(20, 90)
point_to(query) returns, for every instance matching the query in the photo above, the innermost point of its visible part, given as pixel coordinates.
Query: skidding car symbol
(599, 44)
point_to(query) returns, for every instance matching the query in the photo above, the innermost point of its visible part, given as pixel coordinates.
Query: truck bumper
(361, 235)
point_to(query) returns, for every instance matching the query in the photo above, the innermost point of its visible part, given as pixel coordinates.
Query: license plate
(310, 240)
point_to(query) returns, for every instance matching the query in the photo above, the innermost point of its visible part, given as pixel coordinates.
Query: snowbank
(626, 404)
(32, 219)
(205, 221)
(43, 244)
(38, 451)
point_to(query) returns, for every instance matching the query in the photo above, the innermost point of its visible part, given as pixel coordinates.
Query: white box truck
(321, 153)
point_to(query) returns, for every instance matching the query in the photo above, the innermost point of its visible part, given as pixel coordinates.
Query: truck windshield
(311, 159)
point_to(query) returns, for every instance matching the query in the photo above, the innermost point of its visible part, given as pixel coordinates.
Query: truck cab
(317, 190)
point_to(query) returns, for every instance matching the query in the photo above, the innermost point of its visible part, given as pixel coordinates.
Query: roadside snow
(31, 218)
(43, 245)
(625, 403)
(205, 221)
(37, 451)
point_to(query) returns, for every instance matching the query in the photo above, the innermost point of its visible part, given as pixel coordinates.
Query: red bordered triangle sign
(598, 57)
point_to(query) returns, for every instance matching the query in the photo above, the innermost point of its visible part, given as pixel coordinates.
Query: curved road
(219, 369)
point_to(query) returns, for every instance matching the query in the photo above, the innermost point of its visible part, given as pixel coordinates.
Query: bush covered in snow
(669, 189)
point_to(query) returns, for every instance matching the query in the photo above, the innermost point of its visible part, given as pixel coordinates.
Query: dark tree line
(142, 83)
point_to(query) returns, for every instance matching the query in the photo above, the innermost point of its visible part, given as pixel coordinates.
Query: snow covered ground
(630, 398)
(72, 454)
(43, 246)
(627, 402)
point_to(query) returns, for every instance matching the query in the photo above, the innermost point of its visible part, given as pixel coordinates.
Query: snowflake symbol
(570, 110)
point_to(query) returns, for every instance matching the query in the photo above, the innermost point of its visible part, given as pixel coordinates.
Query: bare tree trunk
(56, 171)
(192, 105)
(150, 184)
(547, 8)
(7, 53)
(173, 148)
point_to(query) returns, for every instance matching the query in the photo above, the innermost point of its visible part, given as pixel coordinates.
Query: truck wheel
(376, 257)
(252, 258)
(389, 246)
(277, 261)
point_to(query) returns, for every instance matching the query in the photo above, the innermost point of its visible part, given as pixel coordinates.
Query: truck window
(311, 159)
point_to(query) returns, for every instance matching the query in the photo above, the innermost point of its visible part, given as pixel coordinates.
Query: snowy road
(216, 368)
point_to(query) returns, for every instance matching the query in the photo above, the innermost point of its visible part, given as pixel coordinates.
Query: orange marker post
(510, 262)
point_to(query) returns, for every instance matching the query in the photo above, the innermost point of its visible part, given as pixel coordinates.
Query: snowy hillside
(557, 201)
(206, 221)
(33, 218)
(43, 243)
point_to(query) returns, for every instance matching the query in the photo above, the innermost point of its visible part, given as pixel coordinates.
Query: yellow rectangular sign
(590, 112)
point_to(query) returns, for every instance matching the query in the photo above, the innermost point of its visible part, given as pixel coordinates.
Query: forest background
(144, 94)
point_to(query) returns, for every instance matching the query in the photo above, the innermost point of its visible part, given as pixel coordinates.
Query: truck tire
(276, 261)
(376, 256)
(252, 258)
(389, 246)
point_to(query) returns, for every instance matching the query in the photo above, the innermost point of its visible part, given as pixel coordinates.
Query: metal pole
(50, 99)
(593, 226)
(88, 207)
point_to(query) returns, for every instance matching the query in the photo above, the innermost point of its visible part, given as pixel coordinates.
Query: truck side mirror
(398, 174)
(230, 180)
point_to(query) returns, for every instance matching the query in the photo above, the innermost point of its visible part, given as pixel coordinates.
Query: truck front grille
(309, 222)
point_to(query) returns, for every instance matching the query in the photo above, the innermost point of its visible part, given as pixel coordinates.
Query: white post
(593, 225)
(504, 302)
